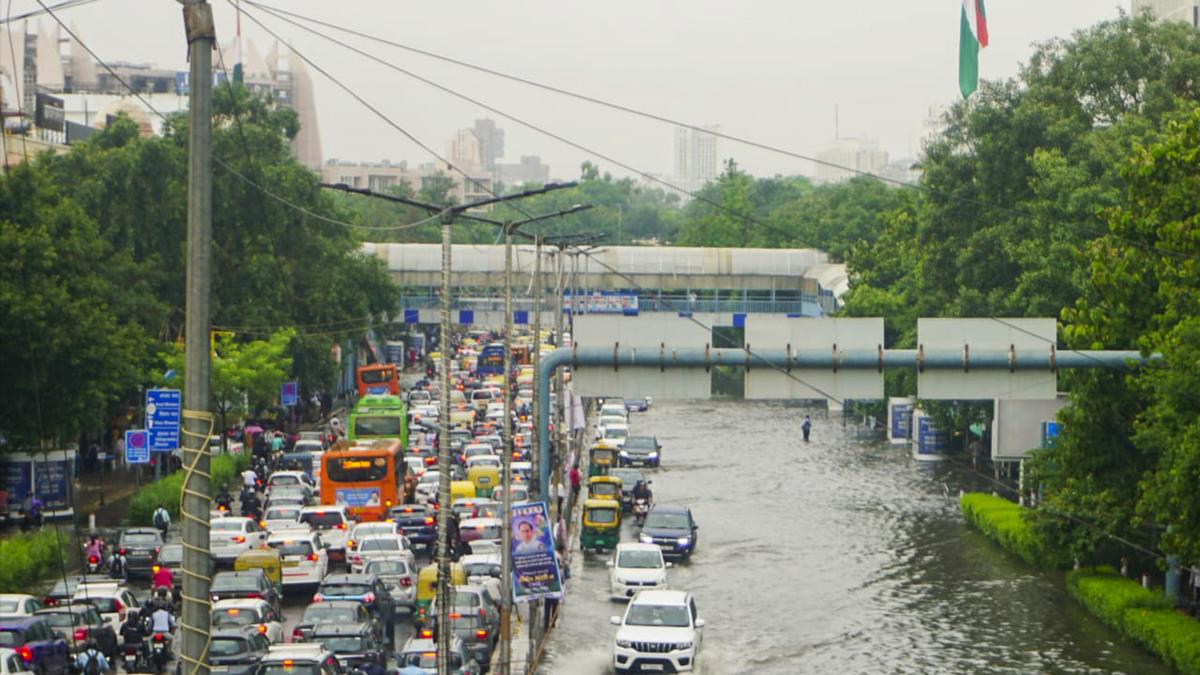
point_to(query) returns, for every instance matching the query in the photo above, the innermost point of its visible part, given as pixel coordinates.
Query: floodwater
(834, 556)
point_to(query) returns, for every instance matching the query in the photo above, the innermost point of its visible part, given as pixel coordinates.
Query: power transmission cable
(68, 4)
(217, 160)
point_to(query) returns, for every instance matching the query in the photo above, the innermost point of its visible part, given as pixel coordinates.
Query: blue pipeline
(787, 359)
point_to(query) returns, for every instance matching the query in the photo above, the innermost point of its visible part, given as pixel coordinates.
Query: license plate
(218, 669)
(652, 666)
(291, 563)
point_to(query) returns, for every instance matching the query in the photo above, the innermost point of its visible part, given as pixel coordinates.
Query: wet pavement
(834, 556)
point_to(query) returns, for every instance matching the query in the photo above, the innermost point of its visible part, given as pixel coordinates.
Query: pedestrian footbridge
(796, 282)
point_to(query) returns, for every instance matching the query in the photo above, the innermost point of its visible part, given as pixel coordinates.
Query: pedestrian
(277, 442)
(575, 482)
(806, 427)
(560, 494)
(162, 520)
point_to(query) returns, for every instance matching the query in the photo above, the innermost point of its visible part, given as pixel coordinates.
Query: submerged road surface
(834, 557)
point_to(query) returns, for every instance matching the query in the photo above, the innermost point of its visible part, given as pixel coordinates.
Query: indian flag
(973, 36)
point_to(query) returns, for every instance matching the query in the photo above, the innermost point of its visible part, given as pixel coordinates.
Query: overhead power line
(68, 4)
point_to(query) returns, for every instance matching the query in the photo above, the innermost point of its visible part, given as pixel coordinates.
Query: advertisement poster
(534, 565)
(18, 479)
(52, 481)
(357, 496)
(602, 302)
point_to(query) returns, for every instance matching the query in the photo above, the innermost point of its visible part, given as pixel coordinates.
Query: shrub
(26, 558)
(1004, 522)
(1108, 596)
(1173, 636)
(167, 491)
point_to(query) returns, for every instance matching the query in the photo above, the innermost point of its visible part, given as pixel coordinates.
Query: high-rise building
(696, 160)
(491, 142)
(380, 176)
(849, 157)
(1171, 10)
(529, 170)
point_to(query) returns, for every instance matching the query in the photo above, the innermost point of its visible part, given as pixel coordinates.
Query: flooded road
(834, 557)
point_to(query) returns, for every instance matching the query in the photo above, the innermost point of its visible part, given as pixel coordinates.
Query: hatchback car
(236, 650)
(380, 546)
(230, 537)
(400, 576)
(333, 612)
(11, 663)
(354, 644)
(416, 521)
(111, 599)
(305, 560)
(422, 654)
(251, 584)
(254, 612)
(636, 567)
(78, 623)
(281, 518)
(299, 659)
(334, 523)
(365, 588)
(671, 528)
(660, 631)
(39, 646)
(18, 604)
(475, 529)
(140, 547)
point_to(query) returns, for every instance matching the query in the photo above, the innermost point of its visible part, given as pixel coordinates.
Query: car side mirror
(699, 623)
(614, 620)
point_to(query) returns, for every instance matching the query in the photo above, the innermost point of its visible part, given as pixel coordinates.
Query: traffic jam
(324, 550)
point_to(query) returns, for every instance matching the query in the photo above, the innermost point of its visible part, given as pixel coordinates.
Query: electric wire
(68, 4)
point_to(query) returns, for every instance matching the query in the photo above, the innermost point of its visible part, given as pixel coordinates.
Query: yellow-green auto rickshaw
(604, 487)
(266, 559)
(601, 525)
(603, 457)
(427, 587)
(485, 478)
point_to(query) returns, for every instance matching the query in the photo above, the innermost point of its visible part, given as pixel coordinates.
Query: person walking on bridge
(806, 427)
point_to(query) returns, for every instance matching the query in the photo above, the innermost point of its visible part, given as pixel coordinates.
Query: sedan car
(245, 584)
(78, 623)
(354, 644)
(236, 650)
(416, 521)
(671, 528)
(18, 604)
(333, 612)
(640, 451)
(230, 537)
(380, 546)
(254, 612)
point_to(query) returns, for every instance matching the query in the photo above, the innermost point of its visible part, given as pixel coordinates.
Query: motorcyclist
(251, 508)
(223, 499)
(162, 622)
(116, 565)
(94, 549)
(133, 637)
(91, 659)
(163, 577)
(642, 491)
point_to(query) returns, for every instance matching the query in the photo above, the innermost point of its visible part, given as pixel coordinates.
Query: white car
(18, 604)
(519, 492)
(400, 576)
(362, 531)
(232, 536)
(297, 479)
(249, 612)
(614, 409)
(658, 626)
(636, 567)
(471, 530)
(281, 518)
(615, 434)
(607, 420)
(333, 522)
(380, 546)
(112, 599)
(305, 560)
(427, 486)
(11, 663)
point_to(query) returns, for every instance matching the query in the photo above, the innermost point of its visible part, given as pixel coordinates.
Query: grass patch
(1142, 615)
(1004, 522)
(224, 469)
(27, 557)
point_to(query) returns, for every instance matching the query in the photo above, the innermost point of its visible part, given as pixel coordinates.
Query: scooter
(641, 506)
(116, 564)
(93, 565)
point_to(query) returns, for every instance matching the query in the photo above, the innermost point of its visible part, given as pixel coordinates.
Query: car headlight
(619, 580)
(624, 454)
(684, 540)
(623, 643)
(653, 454)
(646, 539)
(683, 645)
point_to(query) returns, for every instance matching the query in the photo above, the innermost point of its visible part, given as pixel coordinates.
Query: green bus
(379, 417)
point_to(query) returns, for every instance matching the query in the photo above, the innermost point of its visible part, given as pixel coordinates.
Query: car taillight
(81, 634)
(429, 521)
(341, 526)
(317, 597)
(426, 633)
(297, 635)
(122, 551)
(120, 609)
(49, 601)
(312, 557)
(254, 596)
(405, 582)
(240, 539)
(481, 635)
(369, 598)
(26, 653)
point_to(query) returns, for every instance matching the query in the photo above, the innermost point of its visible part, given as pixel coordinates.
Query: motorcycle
(93, 566)
(641, 506)
(135, 658)
(160, 652)
(116, 565)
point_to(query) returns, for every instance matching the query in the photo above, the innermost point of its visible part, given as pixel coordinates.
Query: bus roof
(378, 402)
(383, 445)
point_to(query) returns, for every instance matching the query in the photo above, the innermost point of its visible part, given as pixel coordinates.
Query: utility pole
(194, 624)
(546, 490)
(443, 530)
(506, 466)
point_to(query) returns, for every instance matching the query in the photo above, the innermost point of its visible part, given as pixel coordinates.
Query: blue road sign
(521, 317)
(137, 447)
(163, 408)
(289, 393)
(412, 316)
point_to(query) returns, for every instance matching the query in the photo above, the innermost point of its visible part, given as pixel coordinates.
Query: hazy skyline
(769, 71)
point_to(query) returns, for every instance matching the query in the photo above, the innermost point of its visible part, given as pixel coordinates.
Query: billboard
(900, 419)
(601, 302)
(49, 113)
(928, 441)
(1022, 426)
(535, 572)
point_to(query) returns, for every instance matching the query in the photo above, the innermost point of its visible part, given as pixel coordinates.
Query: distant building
(529, 170)
(1171, 10)
(901, 171)
(464, 151)
(491, 143)
(381, 176)
(696, 159)
(849, 157)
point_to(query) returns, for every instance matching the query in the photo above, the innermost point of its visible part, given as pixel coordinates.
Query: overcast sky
(765, 69)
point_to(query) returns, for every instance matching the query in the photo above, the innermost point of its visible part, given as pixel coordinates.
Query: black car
(355, 644)
(78, 623)
(417, 522)
(140, 546)
(237, 649)
(42, 649)
(245, 584)
(671, 528)
(472, 629)
(335, 612)
(368, 589)
(640, 451)
(637, 404)
(171, 557)
(629, 477)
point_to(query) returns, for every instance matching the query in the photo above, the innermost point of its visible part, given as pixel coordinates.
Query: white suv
(660, 631)
(230, 537)
(305, 561)
(333, 521)
(636, 567)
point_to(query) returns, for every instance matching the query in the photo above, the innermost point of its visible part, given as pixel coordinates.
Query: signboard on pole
(48, 113)
(1021, 426)
(900, 417)
(137, 447)
(928, 441)
(824, 335)
(653, 337)
(535, 572)
(163, 407)
(975, 336)
(289, 393)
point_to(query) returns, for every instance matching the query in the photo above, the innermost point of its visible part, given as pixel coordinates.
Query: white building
(1171, 10)
(696, 158)
(380, 176)
(860, 154)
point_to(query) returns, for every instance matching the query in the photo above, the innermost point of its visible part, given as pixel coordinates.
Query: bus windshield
(357, 469)
(377, 425)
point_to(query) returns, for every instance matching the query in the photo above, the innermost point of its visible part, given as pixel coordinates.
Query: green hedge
(26, 558)
(1143, 615)
(224, 469)
(1003, 521)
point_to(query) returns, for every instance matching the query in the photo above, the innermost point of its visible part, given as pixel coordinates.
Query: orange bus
(368, 479)
(378, 378)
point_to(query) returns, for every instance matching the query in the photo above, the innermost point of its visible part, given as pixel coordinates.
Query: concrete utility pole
(546, 490)
(194, 624)
(506, 465)
(443, 530)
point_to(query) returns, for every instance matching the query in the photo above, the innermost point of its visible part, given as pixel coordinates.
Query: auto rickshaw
(427, 587)
(603, 457)
(461, 489)
(266, 559)
(601, 525)
(485, 479)
(604, 487)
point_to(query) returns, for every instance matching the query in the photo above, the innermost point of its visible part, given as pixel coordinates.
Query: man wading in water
(806, 427)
